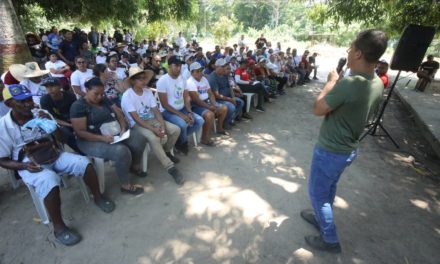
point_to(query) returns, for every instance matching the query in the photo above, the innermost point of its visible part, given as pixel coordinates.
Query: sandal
(68, 237)
(134, 190)
(139, 172)
(105, 204)
(209, 143)
(223, 133)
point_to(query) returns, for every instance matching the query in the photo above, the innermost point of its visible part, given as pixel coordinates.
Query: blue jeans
(233, 111)
(326, 169)
(185, 129)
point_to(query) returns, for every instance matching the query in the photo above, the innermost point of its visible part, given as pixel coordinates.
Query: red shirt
(385, 80)
(244, 75)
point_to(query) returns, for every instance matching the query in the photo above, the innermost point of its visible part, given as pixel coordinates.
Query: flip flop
(223, 133)
(105, 204)
(210, 143)
(134, 190)
(68, 237)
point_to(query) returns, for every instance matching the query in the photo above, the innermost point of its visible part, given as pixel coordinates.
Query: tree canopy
(389, 15)
(128, 12)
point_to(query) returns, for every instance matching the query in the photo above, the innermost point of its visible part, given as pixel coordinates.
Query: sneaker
(315, 78)
(174, 159)
(316, 242)
(309, 216)
(177, 176)
(246, 115)
(260, 109)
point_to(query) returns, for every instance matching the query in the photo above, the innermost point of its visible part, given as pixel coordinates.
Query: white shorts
(45, 180)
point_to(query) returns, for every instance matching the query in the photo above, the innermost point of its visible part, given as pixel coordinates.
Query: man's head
(174, 66)
(112, 62)
(368, 47)
(155, 62)
(196, 70)
(382, 67)
(220, 66)
(53, 56)
(68, 35)
(19, 99)
(92, 28)
(430, 57)
(180, 34)
(217, 49)
(81, 63)
(294, 52)
(53, 86)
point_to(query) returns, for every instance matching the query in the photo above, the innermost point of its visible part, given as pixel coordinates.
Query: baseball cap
(51, 81)
(261, 59)
(17, 92)
(195, 66)
(174, 60)
(220, 62)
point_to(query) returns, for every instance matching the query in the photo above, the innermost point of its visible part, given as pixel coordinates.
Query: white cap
(195, 66)
(220, 62)
(103, 50)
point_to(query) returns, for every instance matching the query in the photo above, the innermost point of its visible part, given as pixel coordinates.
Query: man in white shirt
(175, 103)
(32, 80)
(181, 41)
(204, 103)
(140, 108)
(80, 76)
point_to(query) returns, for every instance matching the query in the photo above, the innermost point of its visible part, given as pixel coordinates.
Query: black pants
(256, 88)
(281, 81)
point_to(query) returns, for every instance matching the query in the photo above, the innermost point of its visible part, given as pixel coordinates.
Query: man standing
(181, 41)
(93, 37)
(345, 103)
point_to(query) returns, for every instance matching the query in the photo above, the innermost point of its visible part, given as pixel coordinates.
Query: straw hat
(17, 71)
(33, 70)
(135, 70)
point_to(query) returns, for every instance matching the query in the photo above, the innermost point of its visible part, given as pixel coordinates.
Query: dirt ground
(242, 200)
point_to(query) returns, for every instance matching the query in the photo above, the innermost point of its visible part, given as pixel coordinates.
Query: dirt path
(242, 202)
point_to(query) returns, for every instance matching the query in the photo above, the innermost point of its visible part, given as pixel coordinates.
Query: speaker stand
(372, 127)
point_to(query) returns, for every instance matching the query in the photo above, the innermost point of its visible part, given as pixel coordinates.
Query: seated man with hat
(204, 104)
(140, 108)
(32, 80)
(18, 152)
(175, 103)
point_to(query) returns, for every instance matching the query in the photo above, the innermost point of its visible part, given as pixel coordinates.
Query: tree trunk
(13, 46)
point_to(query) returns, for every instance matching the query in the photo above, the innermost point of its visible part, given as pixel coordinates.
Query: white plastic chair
(248, 100)
(39, 202)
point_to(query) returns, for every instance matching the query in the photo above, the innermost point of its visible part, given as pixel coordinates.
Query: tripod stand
(372, 127)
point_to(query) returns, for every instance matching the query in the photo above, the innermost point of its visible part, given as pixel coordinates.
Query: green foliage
(252, 14)
(154, 30)
(222, 30)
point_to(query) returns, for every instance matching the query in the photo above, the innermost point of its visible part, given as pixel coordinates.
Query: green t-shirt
(351, 101)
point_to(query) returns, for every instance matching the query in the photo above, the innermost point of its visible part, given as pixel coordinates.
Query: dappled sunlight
(204, 156)
(293, 172)
(340, 203)
(303, 254)
(437, 230)
(288, 186)
(271, 159)
(261, 138)
(176, 247)
(421, 204)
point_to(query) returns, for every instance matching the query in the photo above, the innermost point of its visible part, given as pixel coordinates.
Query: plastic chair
(39, 202)
(248, 100)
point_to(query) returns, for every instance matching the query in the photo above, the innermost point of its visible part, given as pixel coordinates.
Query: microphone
(341, 64)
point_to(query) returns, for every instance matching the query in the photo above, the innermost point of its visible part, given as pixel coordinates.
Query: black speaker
(412, 47)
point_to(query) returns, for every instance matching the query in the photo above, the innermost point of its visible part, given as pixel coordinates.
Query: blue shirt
(220, 84)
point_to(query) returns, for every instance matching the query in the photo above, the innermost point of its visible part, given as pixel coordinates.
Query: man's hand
(32, 167)
(333, 76)
(158, 132)
(233, 101)
(212, 108)
(191, 119)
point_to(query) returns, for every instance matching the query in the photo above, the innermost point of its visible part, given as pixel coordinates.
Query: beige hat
(18, 71)
(33, 70)
(135, 70)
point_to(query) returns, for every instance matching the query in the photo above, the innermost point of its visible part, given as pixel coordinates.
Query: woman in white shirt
(59, 70)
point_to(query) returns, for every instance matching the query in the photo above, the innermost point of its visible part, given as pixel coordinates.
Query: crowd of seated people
(94, 87)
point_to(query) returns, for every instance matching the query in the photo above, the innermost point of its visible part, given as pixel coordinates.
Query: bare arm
(321, 108)
(120, 117)
(10, 164)
(80, 127)
(78, 91)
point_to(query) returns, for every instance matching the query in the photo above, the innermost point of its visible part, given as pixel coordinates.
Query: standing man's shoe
(316, 242)
(309, 216)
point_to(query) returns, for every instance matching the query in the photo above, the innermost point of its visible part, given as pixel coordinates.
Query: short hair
(79, 57)
(99, 68)
(93, 82)
(372, 43)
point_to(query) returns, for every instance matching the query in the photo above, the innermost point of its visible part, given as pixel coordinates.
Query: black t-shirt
(96, 116)
(69, 49)
(60, 109)
(158, 72)
(430, 66)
